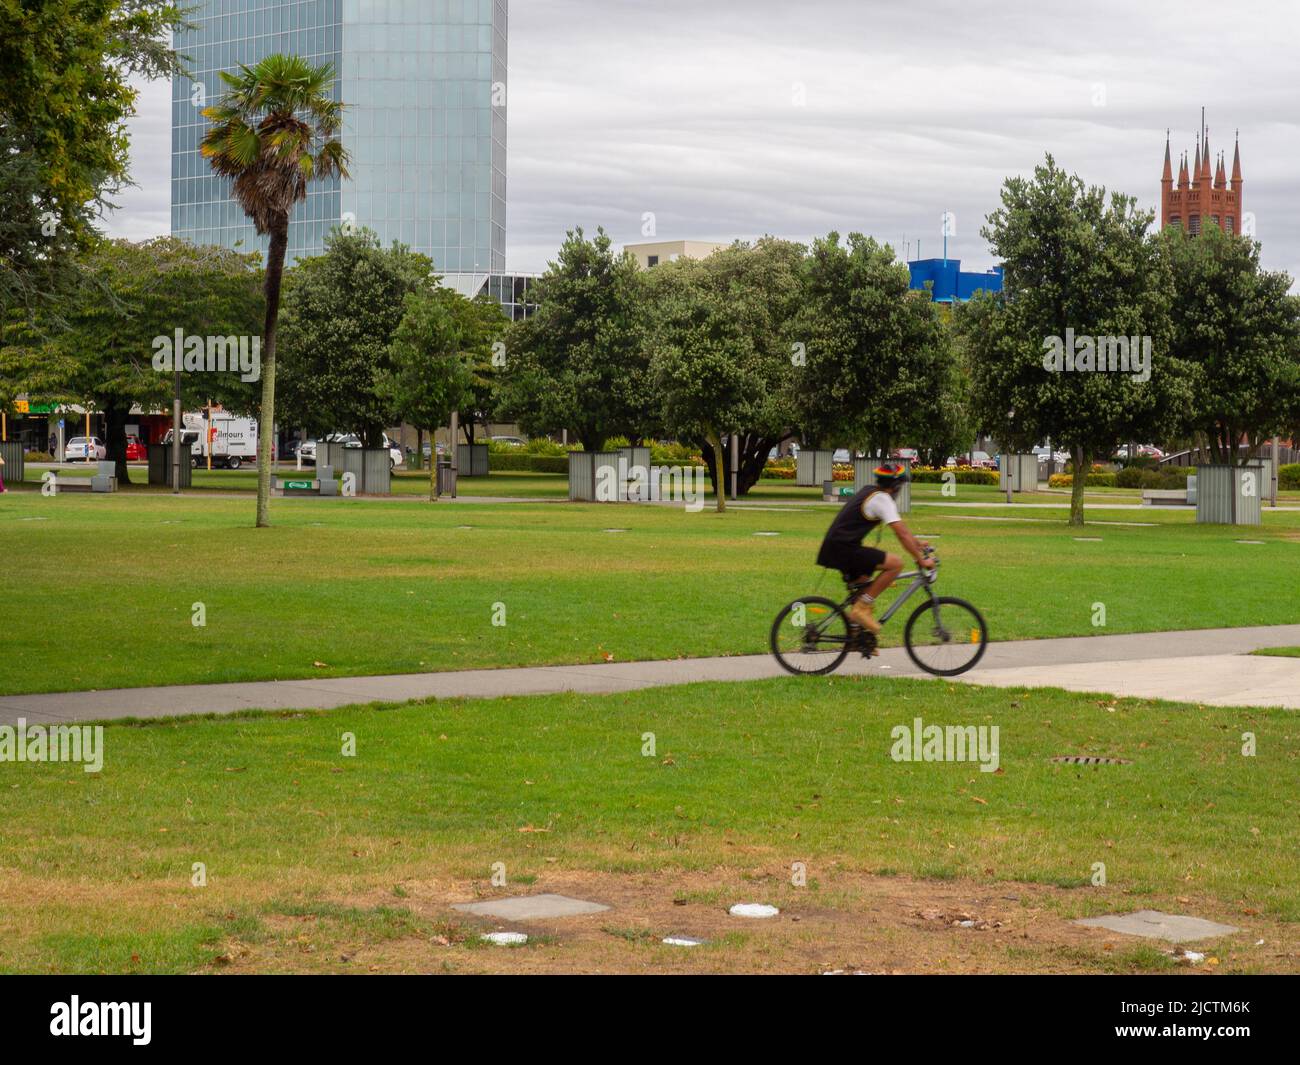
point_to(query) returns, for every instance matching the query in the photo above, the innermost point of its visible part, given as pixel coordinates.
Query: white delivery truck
(231, 440)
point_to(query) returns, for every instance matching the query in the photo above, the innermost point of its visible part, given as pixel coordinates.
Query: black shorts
(852, 561)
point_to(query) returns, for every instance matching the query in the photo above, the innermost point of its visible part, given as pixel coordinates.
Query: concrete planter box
(812, 468)
(1231, 495)
(1023, 471)
(160, 466)
(472, 460)
(864, 474)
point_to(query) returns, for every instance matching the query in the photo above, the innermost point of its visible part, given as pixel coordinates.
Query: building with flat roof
(425, 123)
(952, 284)
(665, 251)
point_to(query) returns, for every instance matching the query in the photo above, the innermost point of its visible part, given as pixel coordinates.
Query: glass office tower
(424, 82)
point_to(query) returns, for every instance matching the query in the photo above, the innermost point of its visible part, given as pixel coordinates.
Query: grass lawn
(1280, 652)
(318, 861)
(101, 589)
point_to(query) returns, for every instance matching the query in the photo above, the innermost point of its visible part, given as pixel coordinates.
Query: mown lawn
(100, 592)
(97, 869)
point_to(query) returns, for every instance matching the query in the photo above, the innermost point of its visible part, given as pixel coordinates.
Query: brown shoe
(863, 615)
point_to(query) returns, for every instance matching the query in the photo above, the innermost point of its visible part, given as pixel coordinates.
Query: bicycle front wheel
(810, 636)
(946, 636)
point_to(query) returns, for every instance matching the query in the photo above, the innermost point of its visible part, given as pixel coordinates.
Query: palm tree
(273, 131)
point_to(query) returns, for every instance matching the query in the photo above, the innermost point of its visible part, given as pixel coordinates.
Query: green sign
(298, 484)
(846, 491)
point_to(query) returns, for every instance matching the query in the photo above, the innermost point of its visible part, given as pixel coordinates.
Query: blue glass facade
(424, 82)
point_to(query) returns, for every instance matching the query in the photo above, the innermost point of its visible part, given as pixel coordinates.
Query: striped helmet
(887, 476)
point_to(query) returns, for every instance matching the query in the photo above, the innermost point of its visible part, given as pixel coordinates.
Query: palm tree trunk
(266, 427)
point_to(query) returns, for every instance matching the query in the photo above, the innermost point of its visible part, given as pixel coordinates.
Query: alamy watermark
(920, 742)
(53, 743)
(621, 482)
(213, 354)
(1108, 354)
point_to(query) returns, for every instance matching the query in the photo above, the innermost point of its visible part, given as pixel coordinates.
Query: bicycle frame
(920, 578)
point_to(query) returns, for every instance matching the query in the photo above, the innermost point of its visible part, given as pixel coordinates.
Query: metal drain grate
(1081, 759)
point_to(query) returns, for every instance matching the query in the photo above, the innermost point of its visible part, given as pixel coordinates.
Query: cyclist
(842, 548)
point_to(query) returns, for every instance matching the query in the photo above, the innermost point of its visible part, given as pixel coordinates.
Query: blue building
(951, 283)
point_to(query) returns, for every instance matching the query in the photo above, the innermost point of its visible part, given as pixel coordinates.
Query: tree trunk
(419, 449)
(719, 472)
(115, 419)
(266, 417)
(433, 461)
(1082, 467)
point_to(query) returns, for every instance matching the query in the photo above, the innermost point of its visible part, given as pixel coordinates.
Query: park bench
(103, 481)
(1171, 497)
(324, 485)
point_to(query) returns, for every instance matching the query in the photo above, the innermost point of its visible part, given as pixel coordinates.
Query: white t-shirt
(880, 506)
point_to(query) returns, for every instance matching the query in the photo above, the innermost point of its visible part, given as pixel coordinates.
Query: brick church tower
(1202, 197)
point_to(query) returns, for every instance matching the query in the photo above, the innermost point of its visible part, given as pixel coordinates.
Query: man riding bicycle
(842, 548)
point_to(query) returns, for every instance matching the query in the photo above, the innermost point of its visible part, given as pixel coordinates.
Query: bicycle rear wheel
(946, 636)
(810, 636)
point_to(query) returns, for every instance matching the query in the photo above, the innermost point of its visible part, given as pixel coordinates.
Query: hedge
(1288, 476)
(522, 462)
(960, 476)
(1095, 480)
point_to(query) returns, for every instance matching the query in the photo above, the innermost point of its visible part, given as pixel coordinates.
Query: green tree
(65, 97)
(579, 361)
(102, 355)
(1080, 267)
(1240, 327)
(880, 370)
(722, 354)
(274, 131)
(485, 326)
(431, 362)
(341, 310)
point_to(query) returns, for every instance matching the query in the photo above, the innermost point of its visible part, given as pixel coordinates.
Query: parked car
(512, 441)
(135, 451)
(905, 453)
(842, 455)
(351, 440)
(85, 449)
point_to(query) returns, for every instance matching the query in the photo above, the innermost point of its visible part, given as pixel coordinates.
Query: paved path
(1204, 666)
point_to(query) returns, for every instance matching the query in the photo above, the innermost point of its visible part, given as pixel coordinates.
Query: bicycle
(946, 629)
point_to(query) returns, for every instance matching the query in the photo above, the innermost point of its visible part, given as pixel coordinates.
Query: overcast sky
(795, 117)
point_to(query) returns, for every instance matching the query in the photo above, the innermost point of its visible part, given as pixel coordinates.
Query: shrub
(961, 474)
(1289, 476)
(1133, 477)
(519, 461)
(1095, 480)
(45, 456)
(675, 455)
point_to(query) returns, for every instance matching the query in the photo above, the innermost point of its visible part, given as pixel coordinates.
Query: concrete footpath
(1209, 666)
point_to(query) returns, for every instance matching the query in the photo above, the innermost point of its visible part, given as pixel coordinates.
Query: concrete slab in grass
(1152, 924)
(531, 907)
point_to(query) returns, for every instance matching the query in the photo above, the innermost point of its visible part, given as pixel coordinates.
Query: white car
(85, 449)
(395, 456)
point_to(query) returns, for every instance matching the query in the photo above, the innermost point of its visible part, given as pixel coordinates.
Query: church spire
(1168, 175)
(1236, 161)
